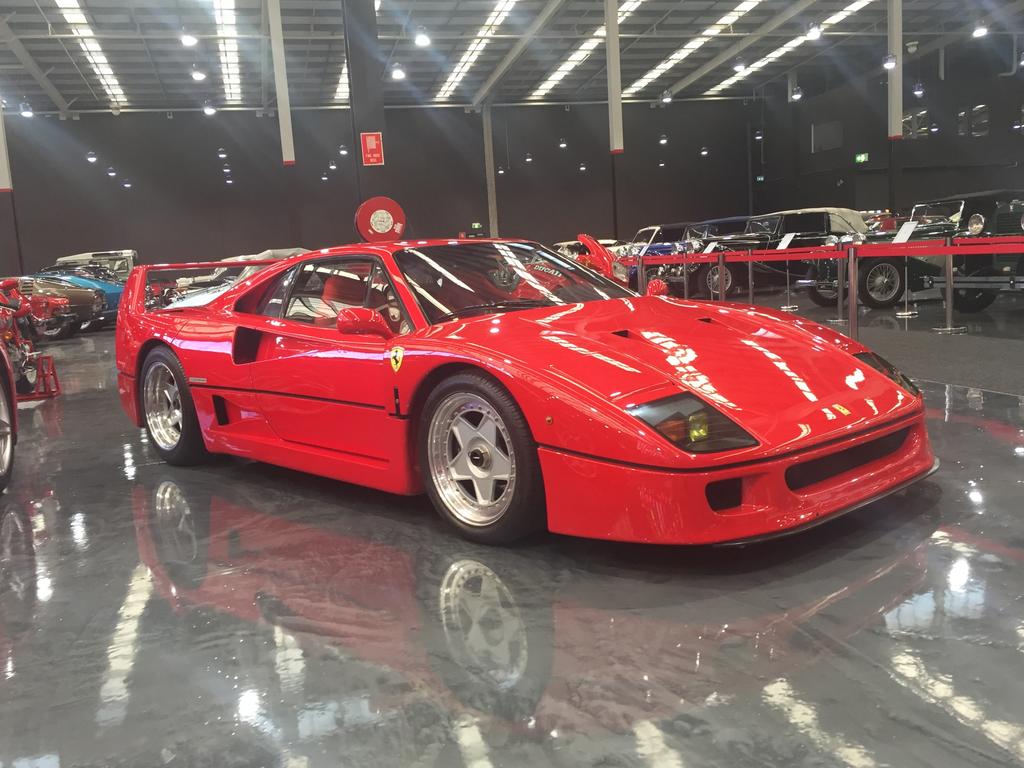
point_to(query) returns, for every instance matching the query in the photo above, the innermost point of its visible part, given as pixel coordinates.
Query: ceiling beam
(284, 110)
(21, 53)
(539, 21)
(747, 40)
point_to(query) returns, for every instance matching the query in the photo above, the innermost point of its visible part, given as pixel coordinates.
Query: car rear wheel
(823, 297)
(63, 331)
(881, 283)
(169, 411)
(479, 460)
(707, 280)
(974, 299)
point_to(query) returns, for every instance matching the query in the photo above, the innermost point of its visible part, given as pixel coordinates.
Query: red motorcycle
(19, 325)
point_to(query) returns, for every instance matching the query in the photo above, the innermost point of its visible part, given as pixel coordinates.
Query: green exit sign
(861, 157)
(477, 225)
(759, 178)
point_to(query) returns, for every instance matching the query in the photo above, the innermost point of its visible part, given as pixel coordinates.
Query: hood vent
(705, 320)
(623, 333)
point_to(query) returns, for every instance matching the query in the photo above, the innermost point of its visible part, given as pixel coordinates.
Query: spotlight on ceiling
(229, 180)
(501, 170)
(222, 153)
(661, 163)
(889, 62)
(343, 150)
(528, 158)
(198, 75)
(25, 109)
(758, 135)
(422, 39)
(583, 167)
(663, 139)
(189, 41)
(739, 66)
(324, 177)
(814, 32)
(703, 151)
(397, 73)
(980, 30)
(933, 128)
(209, 110)
(666, 97)
(90, 156)
(797, 93)
(126, 184)
(226, 168)
(332, 166)
(562, 144)
(918, 90)
(111, 172)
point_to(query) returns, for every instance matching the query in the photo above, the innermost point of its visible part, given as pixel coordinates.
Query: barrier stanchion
(641, 276)
(906, 312)
(949, 327)
(721, 277)
(840, 292)
(789, 306)
(851, 272)
(750, 279)
(686, 281)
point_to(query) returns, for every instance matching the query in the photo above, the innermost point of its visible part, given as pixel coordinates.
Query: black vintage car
(978, 214)
(803, 228)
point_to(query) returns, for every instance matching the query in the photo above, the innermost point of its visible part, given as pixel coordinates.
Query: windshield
(763, 226)
(644, 235)
(467, 278)
(928, 213)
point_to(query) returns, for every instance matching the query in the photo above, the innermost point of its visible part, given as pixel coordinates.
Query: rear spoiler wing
(134, 300)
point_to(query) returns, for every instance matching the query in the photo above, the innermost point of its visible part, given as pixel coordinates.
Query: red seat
(340, 290)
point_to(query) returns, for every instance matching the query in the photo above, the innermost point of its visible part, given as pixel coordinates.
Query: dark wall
(179, 207)
(551, 200)
(943, 163)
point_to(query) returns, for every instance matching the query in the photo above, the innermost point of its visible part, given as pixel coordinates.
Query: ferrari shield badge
(397, 354)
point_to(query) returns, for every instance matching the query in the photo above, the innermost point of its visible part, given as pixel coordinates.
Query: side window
(272, 301)
(322, 288)
(382, 297)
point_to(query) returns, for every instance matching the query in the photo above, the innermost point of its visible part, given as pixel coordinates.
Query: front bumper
(129, 398)
(595, 498)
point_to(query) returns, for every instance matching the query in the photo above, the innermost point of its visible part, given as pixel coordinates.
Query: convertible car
(522, 390)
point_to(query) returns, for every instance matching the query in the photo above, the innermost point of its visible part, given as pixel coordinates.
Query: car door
(315, 386)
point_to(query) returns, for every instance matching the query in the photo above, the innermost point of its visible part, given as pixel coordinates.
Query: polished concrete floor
(242, 615)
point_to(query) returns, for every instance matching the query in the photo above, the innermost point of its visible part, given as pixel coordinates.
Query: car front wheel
(881, 283)
(170, 413)
(479, 460)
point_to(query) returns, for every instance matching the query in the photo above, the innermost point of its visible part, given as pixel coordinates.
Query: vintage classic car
(120, 263)
(712, 228)
(522, 391)
(87, 304)
(576, 248)
(86, 277)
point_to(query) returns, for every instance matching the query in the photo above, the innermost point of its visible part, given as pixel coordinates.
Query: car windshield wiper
(497, 305)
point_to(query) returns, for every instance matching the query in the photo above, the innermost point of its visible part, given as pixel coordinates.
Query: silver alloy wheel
(161, 401)
(711, 279)
(482, 624)
(471, 460)
(6, 435)
(883, 281)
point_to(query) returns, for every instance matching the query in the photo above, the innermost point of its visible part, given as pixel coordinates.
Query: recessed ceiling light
(111, 172)
(661, 164)
(397, 73)
(198, 75)
(666, 97)
(758, 135)
(226, 168)
(889, 62)
(90, 156)
(583, 167)
(209, 110)
(980, 30)
(25, 109)
(814, 32)
(222, 153)
(528, 158)
(739, 66)
(324, 177)
(562, 144)
(188, 40)
(501, 170)
(332, 166)
(126, 184)
(343, 150)
(934, 128)
(229, 180)
(663, 139)
(797, 93)
(422, 39)
(919, 90)
(703, 151)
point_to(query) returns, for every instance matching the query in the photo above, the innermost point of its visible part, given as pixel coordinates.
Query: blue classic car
(97, 278)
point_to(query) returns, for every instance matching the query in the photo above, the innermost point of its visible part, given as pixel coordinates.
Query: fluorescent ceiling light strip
(782, 50)
(476, 47)
(73, 15)
(227, 44)
(728, 20)
(583, 51)
(342, 93)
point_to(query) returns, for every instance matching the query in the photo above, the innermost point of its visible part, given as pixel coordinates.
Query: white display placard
(710, 247)
(905, 232)
(785, 241)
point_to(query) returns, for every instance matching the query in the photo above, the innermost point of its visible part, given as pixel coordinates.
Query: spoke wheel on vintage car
(881, 283)
(707, 279)
(170, 414)
(974, 299)
(480, 462)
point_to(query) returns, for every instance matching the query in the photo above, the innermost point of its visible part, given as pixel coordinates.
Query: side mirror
(360, 320)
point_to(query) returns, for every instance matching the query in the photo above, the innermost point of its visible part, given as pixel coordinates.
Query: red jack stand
(47, 383)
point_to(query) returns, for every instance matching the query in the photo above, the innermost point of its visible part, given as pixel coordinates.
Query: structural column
(11, 261)
(895, 103)
(611, 42)
(365, 72)
(492, 190)
(284, 104)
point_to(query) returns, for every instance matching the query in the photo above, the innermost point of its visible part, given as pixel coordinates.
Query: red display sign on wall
(373, 148)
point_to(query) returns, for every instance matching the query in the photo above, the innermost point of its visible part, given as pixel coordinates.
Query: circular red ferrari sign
(380, 219)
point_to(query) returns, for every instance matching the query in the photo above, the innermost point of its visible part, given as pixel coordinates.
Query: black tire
(190, 448)
(524, 511)
(23, 385)
(707, 284)
(9, 401)
(819, 297)
(972, 299)
(59, 334)
(179, 524)
(875, 283)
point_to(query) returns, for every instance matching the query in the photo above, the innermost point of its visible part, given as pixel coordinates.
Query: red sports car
(521, 390)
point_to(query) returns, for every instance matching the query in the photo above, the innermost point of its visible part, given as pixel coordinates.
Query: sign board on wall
(861, 157)
(373, 148)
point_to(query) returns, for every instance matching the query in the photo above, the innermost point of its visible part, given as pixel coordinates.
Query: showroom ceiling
(98, 54)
